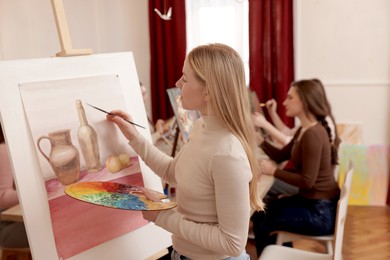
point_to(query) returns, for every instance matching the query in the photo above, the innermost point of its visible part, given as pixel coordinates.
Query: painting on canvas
(185, 118)
(54, 121)
(371, 174)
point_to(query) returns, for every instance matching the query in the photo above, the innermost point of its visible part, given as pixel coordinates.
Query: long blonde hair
(221, 70)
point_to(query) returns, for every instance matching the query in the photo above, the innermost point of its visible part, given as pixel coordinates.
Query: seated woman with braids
(281, 134)
(313, 155)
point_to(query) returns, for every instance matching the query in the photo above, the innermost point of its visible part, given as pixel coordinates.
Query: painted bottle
(88, 142)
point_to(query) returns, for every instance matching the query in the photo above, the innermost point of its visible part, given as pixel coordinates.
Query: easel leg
(63, 32)
(175, 141)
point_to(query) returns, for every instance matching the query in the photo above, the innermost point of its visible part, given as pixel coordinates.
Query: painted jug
(64, 157)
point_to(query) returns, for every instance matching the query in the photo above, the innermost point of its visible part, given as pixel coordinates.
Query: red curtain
(168, 50)
(271, 60)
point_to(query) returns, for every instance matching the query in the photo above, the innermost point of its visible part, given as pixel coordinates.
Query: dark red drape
(271, 60)
(168, 50)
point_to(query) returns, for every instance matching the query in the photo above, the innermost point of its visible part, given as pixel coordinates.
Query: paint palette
(119, 196)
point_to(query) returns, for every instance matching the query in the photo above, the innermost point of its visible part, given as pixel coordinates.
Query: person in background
(313, 155)
(12, 234)
(215, 172)
(283, 134)
(280, 133)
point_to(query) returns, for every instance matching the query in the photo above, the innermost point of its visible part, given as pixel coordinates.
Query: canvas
(50, 107)
(38, 98)
(371, 177)
(185, 118)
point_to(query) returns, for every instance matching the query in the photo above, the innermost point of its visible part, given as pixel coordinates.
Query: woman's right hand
(271, 105)
(119, 117)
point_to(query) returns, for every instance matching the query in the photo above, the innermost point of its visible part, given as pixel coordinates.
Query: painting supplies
(108, 113)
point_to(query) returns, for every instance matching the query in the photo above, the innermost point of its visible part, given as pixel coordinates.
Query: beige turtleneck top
(211, 174)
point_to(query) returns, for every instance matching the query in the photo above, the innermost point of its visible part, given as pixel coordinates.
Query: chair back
(342, 207)
(336, 173)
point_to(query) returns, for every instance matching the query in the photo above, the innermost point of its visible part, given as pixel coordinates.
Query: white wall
(28, 30)
(346, 44)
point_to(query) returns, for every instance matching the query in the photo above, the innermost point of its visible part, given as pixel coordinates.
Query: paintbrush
(108, 113)
(262, 105)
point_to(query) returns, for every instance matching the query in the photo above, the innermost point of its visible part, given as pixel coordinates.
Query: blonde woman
(215, 172)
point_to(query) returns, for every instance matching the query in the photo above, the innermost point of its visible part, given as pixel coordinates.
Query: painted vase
(64, 158)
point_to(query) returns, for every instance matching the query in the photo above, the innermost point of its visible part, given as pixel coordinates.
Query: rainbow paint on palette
(118, 195)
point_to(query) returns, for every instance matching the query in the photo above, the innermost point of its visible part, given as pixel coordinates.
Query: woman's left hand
(150, 215)
(267, 167)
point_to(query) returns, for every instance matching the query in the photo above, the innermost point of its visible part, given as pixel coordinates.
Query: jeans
(176, 256)
(295, 214)
(281, 188)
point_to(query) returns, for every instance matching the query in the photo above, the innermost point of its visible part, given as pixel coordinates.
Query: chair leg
(284, 237)
(329, 247)
(279, 239)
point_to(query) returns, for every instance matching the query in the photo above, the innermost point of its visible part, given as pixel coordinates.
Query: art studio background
(344, 43)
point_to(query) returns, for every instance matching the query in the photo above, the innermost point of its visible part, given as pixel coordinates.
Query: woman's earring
(206, 97)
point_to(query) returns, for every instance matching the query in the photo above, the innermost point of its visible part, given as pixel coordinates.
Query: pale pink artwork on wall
(378, 165)
(52, 112)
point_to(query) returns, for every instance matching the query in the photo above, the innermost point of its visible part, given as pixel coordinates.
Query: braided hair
(313, 96)
(333, 145)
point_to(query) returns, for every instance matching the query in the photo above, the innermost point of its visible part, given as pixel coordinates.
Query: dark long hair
(314, 100)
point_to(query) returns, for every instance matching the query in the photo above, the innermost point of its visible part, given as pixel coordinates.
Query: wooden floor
(366, 235)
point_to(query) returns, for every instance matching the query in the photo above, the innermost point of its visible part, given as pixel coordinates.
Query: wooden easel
(63, 32)
(67, 50)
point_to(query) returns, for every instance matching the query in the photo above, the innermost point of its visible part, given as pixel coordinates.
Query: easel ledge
(74, 52)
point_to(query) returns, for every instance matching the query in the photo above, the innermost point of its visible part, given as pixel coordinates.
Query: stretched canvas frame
(43, 101)
(254, 102)
(185, 118)
(26, 167)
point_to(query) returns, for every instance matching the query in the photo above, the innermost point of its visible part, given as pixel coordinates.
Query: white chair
(336, 173)
(278, 251)
(327, 241)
